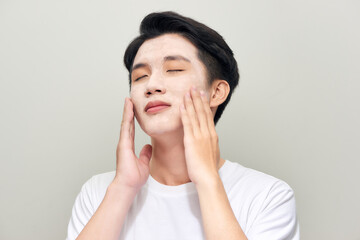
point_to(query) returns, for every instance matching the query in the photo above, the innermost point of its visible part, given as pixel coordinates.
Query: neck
(168, 164)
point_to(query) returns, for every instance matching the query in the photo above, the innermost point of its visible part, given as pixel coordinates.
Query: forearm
(107, 221)
(218, 218)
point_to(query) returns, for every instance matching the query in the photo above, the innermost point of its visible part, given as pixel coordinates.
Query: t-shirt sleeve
(277, 218)
(82, 210)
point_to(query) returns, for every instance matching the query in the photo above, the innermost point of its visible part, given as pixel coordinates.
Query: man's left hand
(200, 138)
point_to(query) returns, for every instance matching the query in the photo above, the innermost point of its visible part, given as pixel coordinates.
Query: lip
(156, 109)
(156, 105)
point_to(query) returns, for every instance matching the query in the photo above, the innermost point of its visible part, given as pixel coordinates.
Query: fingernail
(193, 88)
(202, 93)
(187, 95)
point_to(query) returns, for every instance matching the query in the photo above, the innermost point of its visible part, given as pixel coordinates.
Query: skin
(159, 81)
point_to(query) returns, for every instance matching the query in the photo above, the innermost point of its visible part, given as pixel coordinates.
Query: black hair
(213, 51)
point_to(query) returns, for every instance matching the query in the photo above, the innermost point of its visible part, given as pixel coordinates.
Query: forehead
(154, 50)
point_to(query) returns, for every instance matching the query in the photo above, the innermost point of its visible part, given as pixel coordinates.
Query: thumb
(145, 154)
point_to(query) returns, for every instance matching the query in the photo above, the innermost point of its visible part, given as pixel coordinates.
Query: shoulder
(264, 205)
(96, 186)
(103, 179)
(99, 180)
(253, 180)
(87, 201)
(258, 191)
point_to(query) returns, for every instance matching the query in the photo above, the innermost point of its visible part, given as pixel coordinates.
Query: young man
(182, 75)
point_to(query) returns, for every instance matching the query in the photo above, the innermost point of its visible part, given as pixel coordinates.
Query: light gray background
(295, 114)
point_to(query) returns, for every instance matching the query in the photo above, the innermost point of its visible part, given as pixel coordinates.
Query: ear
(218, 93)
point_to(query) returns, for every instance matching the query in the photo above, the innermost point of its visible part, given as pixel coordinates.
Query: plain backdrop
(295, 114)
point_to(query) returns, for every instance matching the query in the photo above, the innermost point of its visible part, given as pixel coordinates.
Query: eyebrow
(176, 58)
(139, 65)
(167, 58)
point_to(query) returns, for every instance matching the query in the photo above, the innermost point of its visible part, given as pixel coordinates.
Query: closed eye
(141, 77)
(175, 70)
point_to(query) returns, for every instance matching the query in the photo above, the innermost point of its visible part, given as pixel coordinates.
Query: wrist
(210, 180)
(116, 189)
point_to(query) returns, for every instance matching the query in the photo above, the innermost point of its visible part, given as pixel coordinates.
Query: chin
(160, 128)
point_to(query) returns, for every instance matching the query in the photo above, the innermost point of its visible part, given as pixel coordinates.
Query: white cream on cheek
(174, 85)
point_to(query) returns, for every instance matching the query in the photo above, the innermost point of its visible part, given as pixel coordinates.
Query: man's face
(164, 69)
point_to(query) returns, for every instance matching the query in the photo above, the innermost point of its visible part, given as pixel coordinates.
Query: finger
(209, 115)
(200, 111)
(127, 124)
(185, 121)
(189, 107)
(132, 129)
(145, 154)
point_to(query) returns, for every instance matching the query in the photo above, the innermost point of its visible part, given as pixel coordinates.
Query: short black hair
(213, 51)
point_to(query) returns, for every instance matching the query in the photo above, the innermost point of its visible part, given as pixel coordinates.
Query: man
(181, 76)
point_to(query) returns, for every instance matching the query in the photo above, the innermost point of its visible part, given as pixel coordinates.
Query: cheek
(184, 84)
(135, 93)
(135, 98)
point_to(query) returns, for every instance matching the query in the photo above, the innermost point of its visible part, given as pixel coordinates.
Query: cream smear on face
(165, 84)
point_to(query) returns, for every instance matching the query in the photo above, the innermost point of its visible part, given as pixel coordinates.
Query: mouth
(156, 106)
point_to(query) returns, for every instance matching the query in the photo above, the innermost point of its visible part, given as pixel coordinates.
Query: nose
(155, 85)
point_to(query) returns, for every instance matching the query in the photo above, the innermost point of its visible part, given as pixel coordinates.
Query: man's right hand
(131, 171)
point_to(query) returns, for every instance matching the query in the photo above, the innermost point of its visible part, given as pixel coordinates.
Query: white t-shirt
(263, 205)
